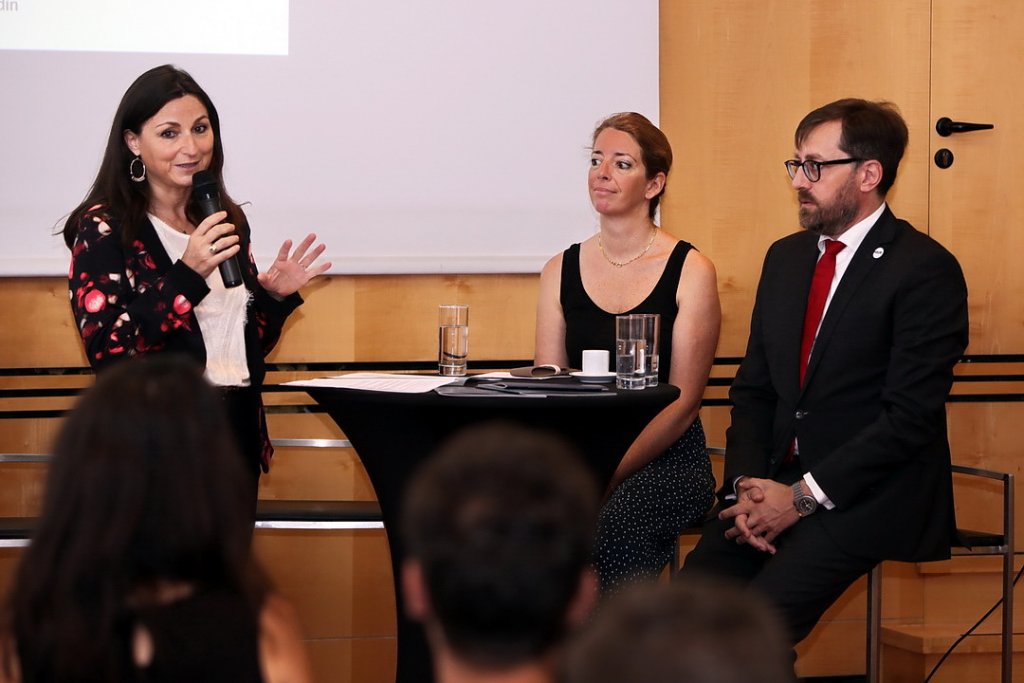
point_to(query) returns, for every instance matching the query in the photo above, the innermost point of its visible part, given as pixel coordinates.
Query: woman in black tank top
(663, 482)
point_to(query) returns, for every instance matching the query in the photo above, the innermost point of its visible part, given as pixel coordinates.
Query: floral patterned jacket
(131, 301)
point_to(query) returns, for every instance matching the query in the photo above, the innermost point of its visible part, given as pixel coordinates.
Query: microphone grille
(203, 179)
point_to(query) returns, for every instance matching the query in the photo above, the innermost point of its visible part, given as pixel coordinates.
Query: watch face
(805, 505)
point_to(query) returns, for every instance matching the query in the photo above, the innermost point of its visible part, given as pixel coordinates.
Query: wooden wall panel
(26, 435)
(322, 328)
(342, 585)
(730, 126)
(394, 318)
(360, 660)
(316, 474)
(736, 78)
(397, 316)
(38, 330)
(345, 318)
(21, 493)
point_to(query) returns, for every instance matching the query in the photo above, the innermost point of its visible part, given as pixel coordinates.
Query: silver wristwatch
(804, 503)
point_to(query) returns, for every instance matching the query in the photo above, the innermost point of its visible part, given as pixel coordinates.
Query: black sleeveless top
(587, 326)
(208, 636)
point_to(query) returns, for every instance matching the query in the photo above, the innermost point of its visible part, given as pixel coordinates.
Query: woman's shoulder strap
(674, 267)
(570, 269)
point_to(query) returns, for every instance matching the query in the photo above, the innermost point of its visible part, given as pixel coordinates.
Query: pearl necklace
(654, 233)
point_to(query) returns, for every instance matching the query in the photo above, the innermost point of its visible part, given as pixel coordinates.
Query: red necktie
(820, 285)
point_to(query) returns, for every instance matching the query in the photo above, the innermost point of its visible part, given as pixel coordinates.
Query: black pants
(806, 575)
(242, 405)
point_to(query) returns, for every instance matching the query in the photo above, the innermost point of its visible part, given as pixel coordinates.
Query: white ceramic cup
(595, 362)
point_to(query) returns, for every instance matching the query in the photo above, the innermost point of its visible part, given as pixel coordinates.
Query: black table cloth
(393, 433)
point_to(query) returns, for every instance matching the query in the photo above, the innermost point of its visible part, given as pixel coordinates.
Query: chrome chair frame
(969, 543)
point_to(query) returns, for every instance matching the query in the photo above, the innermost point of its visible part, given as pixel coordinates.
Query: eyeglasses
(812, 168)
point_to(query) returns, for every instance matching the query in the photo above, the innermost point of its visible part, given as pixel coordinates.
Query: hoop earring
(131, 170)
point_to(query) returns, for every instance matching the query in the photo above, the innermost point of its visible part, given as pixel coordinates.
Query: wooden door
(977, 204)
(976, 208)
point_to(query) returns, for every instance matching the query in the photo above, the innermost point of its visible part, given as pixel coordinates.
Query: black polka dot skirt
(639, 525)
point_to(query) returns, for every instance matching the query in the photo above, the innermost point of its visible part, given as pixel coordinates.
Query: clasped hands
(763, 510)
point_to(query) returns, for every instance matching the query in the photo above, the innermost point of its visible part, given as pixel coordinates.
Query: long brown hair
(126, 200)
(144, 486)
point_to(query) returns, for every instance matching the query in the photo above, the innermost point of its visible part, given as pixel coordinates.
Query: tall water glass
(630, 352)
(452, 339)
(652, 333)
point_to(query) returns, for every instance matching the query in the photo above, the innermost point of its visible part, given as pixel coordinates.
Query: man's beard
(830, 219)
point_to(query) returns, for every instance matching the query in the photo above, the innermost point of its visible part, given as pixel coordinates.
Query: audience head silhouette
(690, 630)
(498, 528)
(138, 496)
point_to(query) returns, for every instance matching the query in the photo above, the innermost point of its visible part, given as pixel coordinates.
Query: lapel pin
(878, 253)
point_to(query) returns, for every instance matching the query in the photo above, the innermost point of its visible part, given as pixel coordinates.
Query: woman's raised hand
(291, 270)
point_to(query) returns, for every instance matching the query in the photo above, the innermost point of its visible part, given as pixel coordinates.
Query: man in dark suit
(837, 455)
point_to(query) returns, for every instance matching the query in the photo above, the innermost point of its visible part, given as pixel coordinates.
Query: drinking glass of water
(652, 332)
(630, 352)
(452, 339)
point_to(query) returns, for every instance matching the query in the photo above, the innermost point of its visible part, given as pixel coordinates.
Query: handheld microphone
(207, 195)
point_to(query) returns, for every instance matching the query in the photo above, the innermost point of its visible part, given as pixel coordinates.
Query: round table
(394, 432)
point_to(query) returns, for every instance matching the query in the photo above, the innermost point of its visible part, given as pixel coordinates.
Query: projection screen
(431, 136)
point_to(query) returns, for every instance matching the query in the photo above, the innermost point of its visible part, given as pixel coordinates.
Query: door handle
(947, 126)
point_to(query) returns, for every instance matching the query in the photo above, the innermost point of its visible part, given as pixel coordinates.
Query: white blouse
(221, 316)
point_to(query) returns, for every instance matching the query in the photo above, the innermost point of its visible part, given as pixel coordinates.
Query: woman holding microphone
(147, 262)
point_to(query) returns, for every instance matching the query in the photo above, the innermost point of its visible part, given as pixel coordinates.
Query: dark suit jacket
(870, 418)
